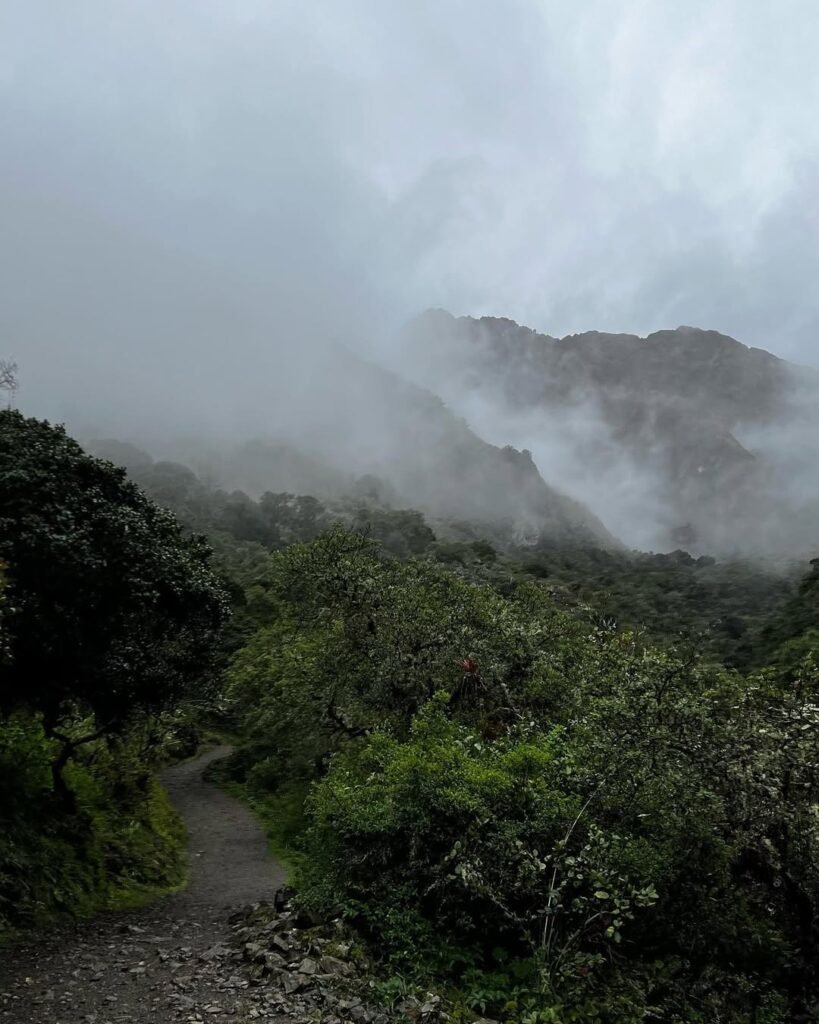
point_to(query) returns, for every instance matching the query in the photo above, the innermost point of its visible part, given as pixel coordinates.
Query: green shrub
(123, 845)
(561, 821)
(600, 867)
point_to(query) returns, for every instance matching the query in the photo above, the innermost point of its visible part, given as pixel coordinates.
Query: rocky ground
(224, 949)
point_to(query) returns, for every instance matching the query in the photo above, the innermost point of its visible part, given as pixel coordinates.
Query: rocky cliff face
(704, 426)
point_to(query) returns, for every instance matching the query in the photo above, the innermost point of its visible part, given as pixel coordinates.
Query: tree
(111, 609)
(8, 379)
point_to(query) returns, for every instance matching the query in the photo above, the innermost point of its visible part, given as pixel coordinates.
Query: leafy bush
(122, 845)
(499, 785)
(458, 835)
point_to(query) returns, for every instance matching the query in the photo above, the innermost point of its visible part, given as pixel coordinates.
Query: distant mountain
(687, 436)
(358, 430)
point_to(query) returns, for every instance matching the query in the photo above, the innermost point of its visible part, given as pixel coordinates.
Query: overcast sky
(189, 185)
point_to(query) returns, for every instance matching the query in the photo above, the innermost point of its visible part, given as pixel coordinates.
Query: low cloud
(200, 197)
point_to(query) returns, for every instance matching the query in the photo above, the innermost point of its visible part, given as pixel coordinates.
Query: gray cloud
(194, 191)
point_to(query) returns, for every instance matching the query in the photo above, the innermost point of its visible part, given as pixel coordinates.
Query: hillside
(736, 611)
(701, 427)
(350, 421)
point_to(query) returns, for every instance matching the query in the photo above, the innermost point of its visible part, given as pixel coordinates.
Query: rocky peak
(677, 405)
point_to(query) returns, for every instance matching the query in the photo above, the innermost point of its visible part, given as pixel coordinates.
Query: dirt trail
(164, 963)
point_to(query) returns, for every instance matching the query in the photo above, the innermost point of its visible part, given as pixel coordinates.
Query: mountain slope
(350, 419)
(718, 437)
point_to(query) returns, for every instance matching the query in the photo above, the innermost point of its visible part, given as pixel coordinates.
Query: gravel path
(165, 963)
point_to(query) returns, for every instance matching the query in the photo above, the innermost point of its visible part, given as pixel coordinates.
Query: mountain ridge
(693, 409)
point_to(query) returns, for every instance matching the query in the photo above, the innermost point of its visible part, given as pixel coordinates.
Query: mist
(573, 449)
(205, 202)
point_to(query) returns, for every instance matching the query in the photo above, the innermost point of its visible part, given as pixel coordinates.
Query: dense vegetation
(551, 816)
(792, 632)
(110, 616)
(559, 783)
(726, 609)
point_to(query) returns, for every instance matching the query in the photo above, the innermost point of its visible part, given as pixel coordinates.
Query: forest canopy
(111, 607)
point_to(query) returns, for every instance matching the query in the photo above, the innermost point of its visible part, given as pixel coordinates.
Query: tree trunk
(61, 789)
